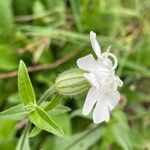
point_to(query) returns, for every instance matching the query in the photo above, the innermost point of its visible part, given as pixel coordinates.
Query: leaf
(48, 106)
(7, 129)
(121, 131)
(8, 59)
(59, 110)
(80, 141)
(25, 87)
(6, 23)
(7, 132)
(122, 136)
(17, 112)
(63, 120)
(55, 114)
(41, 119)
(35, 132)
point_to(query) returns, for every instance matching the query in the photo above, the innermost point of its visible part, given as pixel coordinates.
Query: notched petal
(112, 100)
(94, 43)
(101, 112)
(90, 101)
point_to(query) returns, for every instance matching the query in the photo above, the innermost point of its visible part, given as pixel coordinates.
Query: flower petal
(101, 112)
(91, 99)
(112, 100)
(87, 63)
(95, 44)
(91, 77)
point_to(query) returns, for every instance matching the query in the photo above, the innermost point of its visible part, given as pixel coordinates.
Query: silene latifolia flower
(103, 94)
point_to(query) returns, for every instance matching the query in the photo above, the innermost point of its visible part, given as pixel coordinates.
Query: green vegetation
(49, 36)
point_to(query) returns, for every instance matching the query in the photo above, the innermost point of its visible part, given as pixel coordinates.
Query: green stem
(25, 132)
(47, 94)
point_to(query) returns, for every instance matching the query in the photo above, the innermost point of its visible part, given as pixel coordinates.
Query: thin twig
(41, 67)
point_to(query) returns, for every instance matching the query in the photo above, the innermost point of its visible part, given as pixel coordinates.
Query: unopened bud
(72, 83)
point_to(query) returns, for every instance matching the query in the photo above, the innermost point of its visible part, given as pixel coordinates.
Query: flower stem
(25, 132)
(47, 94)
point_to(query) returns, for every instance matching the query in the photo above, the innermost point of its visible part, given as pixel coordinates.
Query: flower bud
(71, 83)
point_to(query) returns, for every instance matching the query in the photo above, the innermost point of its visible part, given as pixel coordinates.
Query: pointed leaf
(59, 110)
(121, 131)
(80, 141)
(35, 132)
(6, 23)
(41, 119)
(17, 112)
(48, 106)
(25, 87)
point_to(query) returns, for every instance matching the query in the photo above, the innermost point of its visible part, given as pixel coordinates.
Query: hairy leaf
(17, 112)
(25, 87)
(41, 119)
(35, 132)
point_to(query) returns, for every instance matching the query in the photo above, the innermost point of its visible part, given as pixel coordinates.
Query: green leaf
(121, 131)
(6, 23)
(35, 132)
(41, 119)
(17, 112)
(48, 106)
(63, 120)
(7, 133)
(25, 87)
(80, 141)
(8, 59)
(55, 113)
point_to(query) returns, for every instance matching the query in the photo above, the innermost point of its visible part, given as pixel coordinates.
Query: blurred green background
(49, 36)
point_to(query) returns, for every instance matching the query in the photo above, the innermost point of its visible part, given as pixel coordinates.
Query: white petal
(112, 100)
(95, 44)
(101, 112)
(87, 63)
(91, 99)
(91, 77)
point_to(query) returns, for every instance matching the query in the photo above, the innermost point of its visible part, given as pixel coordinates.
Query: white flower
(103, 94)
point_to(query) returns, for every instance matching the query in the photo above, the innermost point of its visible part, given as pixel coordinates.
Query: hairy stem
(46, 94)
(25, 132)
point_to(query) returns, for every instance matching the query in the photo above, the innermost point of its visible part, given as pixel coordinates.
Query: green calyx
(71, 83)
